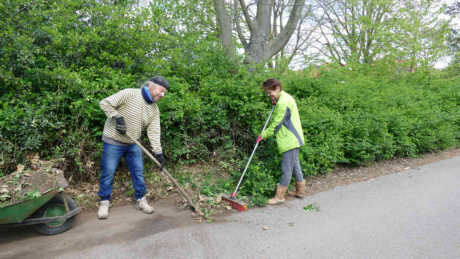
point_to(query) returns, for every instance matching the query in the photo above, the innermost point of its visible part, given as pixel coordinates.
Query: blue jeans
(111, 156)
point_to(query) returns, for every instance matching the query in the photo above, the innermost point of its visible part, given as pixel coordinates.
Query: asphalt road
(414, 214)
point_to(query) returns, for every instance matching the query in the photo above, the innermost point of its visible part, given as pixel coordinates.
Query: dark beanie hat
(159, 80)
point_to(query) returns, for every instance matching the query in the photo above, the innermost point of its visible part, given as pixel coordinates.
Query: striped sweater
(138, 115)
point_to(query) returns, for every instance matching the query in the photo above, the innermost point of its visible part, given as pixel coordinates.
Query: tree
(296, 50)
(354, 30)
(454, 37)
(224, 21)
(255, 31)
(362, 31)
(420, 36)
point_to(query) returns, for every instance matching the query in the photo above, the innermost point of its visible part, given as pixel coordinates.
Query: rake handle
(170, 177)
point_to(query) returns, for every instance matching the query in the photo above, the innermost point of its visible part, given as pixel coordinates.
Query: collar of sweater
(146, 94)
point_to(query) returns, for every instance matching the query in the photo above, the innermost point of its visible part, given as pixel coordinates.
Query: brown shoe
(279, 196)
(300, 189)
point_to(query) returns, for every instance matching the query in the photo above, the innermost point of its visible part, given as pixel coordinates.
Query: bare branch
(281, 40)
(247, 17)
(238, 26)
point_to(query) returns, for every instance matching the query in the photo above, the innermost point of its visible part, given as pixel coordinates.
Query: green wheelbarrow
(52, 213)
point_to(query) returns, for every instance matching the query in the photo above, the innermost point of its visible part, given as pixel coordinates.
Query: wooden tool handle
(170, 177)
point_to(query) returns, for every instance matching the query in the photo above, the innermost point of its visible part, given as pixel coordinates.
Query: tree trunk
(260, 47)
(224, 22)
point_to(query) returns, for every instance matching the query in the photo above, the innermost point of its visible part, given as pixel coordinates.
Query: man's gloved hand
(121, 125)
(161, 158)
(259, 138)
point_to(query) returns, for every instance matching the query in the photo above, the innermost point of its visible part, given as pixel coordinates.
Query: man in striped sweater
(128, 113)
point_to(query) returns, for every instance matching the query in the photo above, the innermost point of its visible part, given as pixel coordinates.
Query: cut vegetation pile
(31, 182)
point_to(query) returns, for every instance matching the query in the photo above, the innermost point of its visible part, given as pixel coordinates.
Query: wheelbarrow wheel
(56, 207)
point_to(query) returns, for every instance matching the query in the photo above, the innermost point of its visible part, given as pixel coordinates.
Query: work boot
(144, 206)
(103, 211)
(279, 196)
(300, 189)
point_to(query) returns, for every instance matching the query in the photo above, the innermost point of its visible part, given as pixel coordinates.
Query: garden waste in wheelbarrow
(36, 197)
